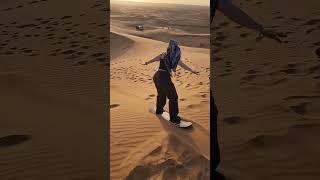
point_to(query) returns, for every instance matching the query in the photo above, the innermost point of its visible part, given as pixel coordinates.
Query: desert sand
(143, 146)
(268, 93)
(53, 74)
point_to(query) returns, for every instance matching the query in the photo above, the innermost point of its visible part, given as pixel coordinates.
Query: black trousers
(166, 89)
(214, 139)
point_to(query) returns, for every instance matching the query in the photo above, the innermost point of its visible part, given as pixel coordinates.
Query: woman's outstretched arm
(186, 67)
(237, 15)
(240, 17)
(157, 58)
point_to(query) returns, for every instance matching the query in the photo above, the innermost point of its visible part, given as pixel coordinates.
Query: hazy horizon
(186, 2)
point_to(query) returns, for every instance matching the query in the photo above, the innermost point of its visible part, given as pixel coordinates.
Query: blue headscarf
(173, 56)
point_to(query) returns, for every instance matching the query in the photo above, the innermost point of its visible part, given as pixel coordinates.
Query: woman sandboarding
(165, 87)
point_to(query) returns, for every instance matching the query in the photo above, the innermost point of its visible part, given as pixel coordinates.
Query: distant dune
(164, 22)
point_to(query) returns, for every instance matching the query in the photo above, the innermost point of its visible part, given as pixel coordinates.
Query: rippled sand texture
(268, 93)
(53, 57)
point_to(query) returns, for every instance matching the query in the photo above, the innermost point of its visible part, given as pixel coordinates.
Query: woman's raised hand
(271, 34)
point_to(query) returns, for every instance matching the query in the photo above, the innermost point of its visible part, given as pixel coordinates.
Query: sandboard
(166, 116)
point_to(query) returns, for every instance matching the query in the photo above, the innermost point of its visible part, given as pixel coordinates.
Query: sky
(191, 2)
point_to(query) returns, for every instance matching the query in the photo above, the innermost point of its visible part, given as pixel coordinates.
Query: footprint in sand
(85, 47)
(310, 31)
(81, 63)
(279, 17)
(114, 105)
(13, 140)
(74, 46)
(53, 54)
(312, 22)
(243, 35)
(300, 108)
(228, 70)
(295, 19)
(249, 78)
(249, 49)
(9, 53)
(252, 71)
(32, 2)
(193, 106)
(7, 9)
(65, 17)
(314, 69)
(68, 52)
(203, 95)
(28, 51)
(232, 119)
(316, 44)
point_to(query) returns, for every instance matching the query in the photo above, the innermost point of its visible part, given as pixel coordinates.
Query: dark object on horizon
(139, 28)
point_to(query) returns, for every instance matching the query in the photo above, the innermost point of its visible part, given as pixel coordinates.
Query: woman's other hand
(271, 34)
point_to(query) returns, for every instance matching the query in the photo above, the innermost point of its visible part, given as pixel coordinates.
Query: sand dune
(53, 74)
(142, 145)
(135, 132)
(268, 93)
(163, 22)
(119, 45)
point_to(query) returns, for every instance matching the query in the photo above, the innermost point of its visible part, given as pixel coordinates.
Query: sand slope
(53, 76)
(142, 146)
(268, 93)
